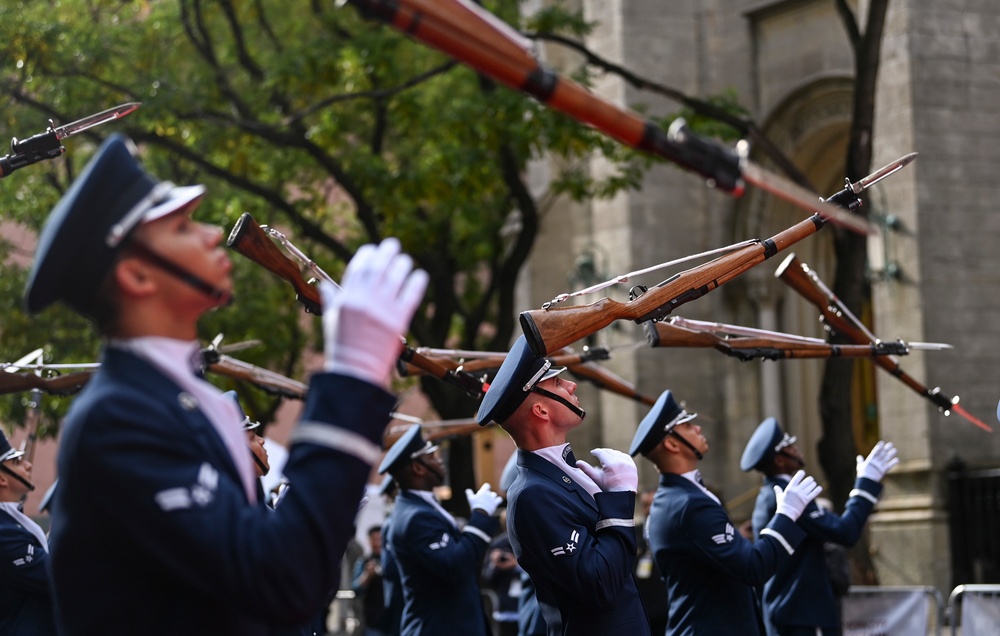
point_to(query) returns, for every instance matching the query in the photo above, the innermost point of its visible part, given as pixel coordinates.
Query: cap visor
(179, 198)
(551, 373)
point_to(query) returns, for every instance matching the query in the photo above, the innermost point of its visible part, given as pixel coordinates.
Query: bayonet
(48, 145)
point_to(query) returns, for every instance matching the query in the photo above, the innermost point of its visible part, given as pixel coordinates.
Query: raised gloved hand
(483, 499)
(617, 472)
(881, 460)
(363, 319)
(796, 495)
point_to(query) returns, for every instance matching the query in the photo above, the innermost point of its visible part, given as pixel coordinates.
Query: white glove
(617, 472)
(363, 319)
(881, 460)
(796, 495)
(483, 499)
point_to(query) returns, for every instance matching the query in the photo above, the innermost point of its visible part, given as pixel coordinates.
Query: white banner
(896, 613)
(980, 615)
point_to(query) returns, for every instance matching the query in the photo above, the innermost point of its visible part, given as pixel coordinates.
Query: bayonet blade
(882, 173)
(102, 117)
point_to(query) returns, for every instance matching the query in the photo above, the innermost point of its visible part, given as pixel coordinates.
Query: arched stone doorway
(810, 125)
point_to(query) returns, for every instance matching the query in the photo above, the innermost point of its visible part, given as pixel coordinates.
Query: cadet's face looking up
(192, 245)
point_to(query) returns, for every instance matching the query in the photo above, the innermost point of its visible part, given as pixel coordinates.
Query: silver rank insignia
(569, 548)
(724, 537)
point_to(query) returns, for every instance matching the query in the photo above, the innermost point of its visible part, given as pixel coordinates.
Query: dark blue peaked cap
(402, 451)
(85, 230)
(520, 372)
(386, 486)
(661, 419)
(6, 450)
(763, 445)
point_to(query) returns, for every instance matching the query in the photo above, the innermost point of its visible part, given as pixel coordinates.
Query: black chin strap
(558, 398)
(798, 462)
(433, 471)
(221, 296)
(687, 443)
(264, 468)
(28, 484)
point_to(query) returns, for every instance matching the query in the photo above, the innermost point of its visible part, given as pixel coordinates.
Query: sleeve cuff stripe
(857, 492)
(339, 439)
(476, 531)
(771, 532)
(609, 523)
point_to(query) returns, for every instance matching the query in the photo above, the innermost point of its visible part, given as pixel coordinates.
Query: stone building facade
(936, 273)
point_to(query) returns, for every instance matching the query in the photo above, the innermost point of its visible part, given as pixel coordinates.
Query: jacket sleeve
(557, 543)
(24, 562)
(432, 543)
(182, 508)
(843, 529)
(712, 537)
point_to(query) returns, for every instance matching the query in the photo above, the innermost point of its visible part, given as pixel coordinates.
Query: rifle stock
(64, 384)
(839, 318)
(250, 240)
(549, 329)
(267, 380)
(662, 334)
(432, 431)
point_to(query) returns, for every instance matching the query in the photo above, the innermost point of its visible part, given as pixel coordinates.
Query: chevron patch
(569, 548)
(443, 543)
(724, 537)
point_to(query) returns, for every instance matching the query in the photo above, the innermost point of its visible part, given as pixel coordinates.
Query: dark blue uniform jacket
(800, 594)
(710, 570)
(154, 532)
(577, 549)
(439, 567)
(25, 593)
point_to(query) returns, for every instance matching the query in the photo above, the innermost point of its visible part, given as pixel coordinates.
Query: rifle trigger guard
(636, 291)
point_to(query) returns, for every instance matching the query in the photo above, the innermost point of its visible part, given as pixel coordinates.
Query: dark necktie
(568, 456)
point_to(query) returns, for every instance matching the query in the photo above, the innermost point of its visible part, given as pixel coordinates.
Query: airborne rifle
(550, 328)
(838, 318)
(582, 365)
(255, 242)
(472, 35)
(48, 144)
(746, 343)
(432, 431)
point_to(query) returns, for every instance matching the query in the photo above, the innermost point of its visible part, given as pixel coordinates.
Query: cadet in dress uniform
(709, 569)
(183, 543)
(799, 599)
(438, 563)
(570, 524)
(25, 592)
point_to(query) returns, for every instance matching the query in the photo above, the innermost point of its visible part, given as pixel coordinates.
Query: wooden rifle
(582, 365)
(254, 241)
(472, 35)
(432, 431)
(552, 328)
(765, 345)
(838, 318)
(62, 384)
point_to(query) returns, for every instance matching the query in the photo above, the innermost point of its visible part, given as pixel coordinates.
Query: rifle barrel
(552, 328)
(838, 317)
